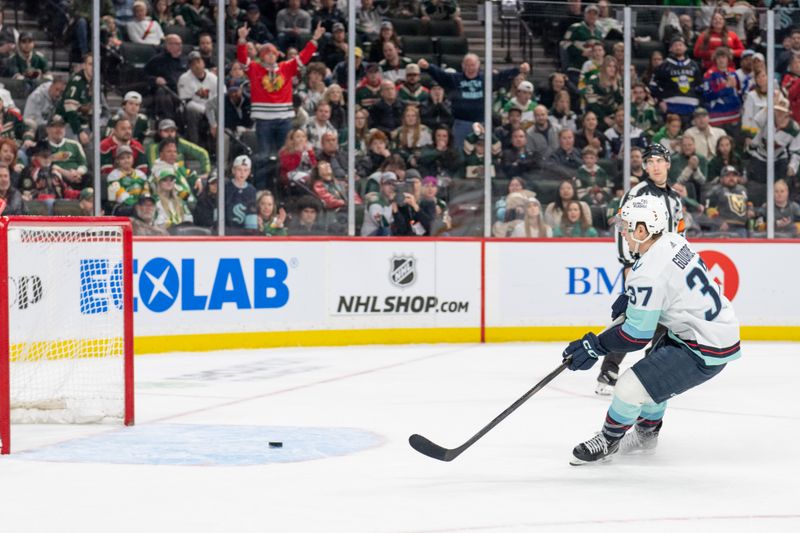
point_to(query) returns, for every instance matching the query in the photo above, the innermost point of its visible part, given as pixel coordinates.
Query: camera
(401, 189)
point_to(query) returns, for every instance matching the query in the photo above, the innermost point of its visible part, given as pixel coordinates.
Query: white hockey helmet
(648, 210)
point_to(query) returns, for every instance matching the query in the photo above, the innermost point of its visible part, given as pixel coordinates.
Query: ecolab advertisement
(262, 286)
(225, 287)
(574, 283)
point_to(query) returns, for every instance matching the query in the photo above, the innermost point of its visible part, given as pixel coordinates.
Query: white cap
(525, 86)
(242, 161)
(132, 96)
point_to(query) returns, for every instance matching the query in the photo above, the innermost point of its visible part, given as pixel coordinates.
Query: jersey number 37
(697, 278)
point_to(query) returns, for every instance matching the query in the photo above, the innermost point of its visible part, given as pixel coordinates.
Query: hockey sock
(650, 417)
(619, 419)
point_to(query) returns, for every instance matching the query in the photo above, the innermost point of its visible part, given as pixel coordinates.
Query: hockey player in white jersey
(656, 160)
(669, 285)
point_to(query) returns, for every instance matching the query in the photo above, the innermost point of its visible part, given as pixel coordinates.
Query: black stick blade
(426, 447)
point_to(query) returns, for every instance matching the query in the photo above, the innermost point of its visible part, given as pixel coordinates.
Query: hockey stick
(433, 450)
(426, 447)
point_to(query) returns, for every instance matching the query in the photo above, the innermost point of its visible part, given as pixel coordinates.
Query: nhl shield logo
(402, 271)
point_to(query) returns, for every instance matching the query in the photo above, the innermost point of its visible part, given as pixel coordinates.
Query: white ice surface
(727, 460)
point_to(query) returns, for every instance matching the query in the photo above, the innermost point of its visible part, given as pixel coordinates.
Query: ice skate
(606, 382)
(639, 442)
(595, 450)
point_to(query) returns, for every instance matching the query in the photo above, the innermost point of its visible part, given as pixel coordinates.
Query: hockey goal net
(66, 321)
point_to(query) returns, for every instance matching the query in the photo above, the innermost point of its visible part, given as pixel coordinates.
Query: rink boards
(209, 294)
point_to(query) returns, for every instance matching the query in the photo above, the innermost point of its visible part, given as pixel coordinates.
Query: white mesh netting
(66, 323)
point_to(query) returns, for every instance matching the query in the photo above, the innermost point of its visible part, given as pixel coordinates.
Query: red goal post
(66, 321)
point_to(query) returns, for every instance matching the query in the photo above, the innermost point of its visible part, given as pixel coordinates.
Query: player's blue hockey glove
(619, 306)
(583, 353)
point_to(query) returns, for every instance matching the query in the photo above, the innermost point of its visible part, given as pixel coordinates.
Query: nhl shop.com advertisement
(402, 274)
(422, 280)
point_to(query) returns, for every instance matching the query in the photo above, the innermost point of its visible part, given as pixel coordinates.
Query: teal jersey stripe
(642, 320)
(622, 412)
(636, 333)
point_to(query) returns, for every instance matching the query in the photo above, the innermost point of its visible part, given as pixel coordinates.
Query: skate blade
(650, 451)
(580, 462)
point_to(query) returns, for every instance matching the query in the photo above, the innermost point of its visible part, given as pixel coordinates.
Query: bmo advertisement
(572, 284)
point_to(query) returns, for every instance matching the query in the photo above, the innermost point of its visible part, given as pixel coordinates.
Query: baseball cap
(525, 86)
(25, 36)
(338, 26)
(56, 120)
(430, 180)
(242, 160)
(730, 169)
(166, 173)
(145, 197)
(132, 96)
(748, 53)
(413, 174)
(412, 68)
(592, 7)
(677, 38)
(700, 111)
(387, 24)
(388, 177)
(123, 150)
(86, 194)
(167, 124)
(253, 7)
(760, 56)
(359, 52)
(194, 54)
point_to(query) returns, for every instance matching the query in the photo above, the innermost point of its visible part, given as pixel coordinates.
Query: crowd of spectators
(420, 130)
(699, 87)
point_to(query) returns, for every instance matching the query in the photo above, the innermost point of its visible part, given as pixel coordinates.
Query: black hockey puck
(276, 444)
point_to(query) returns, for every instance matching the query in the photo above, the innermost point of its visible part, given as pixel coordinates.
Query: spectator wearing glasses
(171, 209)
